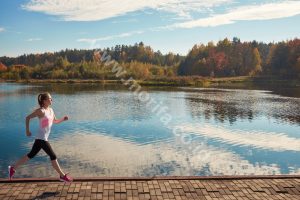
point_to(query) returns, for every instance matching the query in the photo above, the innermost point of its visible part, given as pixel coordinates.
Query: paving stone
(264, 189)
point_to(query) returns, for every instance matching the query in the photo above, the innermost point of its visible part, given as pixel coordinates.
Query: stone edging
(84, 179)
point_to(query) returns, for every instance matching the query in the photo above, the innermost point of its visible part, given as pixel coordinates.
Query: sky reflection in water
(112, 133)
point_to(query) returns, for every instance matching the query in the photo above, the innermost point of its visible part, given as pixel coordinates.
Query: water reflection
(112, 133)
(95, 154)
(231, 105)
(258, 139)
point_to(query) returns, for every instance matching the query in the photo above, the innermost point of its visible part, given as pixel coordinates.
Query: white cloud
(2, 29)
(246, 13)
(184, 8)
(33, 39)
(92, 10)
(111, 37)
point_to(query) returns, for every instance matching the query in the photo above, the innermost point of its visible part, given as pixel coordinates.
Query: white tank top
(45, 124)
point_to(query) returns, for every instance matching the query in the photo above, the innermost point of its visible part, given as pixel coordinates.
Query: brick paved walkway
(154, 188)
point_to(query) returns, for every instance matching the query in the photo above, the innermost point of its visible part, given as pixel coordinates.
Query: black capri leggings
(41, 144)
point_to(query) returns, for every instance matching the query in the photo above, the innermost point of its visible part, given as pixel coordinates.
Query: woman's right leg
(20, 162)
(35, 149)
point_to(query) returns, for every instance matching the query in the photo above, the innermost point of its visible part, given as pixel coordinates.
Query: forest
(226, 58)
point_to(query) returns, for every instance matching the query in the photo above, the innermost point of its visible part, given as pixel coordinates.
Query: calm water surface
(112, 132)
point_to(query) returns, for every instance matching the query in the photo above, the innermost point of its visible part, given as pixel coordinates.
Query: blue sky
(37, 26)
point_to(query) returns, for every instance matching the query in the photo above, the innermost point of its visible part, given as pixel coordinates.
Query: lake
(113, 131)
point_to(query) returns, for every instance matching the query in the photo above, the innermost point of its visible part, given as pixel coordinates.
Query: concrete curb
(86, 179)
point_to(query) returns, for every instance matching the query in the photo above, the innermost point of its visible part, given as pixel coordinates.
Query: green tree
(256, 62)
(61, 62)
(24, 73)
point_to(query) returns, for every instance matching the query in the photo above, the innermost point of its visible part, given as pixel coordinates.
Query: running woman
(46, 119)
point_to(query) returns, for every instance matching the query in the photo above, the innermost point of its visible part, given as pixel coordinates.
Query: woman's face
(48, 101)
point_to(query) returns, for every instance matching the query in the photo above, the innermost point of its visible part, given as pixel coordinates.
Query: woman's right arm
(36, 113)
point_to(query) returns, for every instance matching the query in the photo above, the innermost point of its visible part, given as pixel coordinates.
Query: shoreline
(242, 81)
(142, 178)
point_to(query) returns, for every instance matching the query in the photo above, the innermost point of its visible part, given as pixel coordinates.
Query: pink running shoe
(65, 178)
(11, 171)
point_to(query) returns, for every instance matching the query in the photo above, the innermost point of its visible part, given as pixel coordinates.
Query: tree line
(235, 58)
(226, 58)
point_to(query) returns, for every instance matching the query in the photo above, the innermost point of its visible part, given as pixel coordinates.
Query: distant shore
(179, 81)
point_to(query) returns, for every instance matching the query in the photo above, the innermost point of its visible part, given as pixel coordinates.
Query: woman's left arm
(57, 121)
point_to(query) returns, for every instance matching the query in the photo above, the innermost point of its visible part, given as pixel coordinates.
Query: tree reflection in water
(232, 105)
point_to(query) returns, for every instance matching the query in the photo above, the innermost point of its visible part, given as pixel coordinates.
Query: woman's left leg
(56, 166)
(48, 149)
